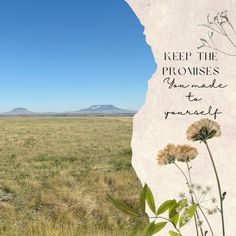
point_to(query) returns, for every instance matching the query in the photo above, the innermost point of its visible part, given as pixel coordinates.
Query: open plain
(55, 174)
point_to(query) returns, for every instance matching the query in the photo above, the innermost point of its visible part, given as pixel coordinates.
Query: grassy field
(55, 174)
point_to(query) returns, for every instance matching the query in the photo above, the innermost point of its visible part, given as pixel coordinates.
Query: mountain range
(99, 110)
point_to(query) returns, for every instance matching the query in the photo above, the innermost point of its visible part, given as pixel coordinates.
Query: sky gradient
(62, 55)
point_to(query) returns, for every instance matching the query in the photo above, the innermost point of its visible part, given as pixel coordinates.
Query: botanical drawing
(219, 27)
(177, 213)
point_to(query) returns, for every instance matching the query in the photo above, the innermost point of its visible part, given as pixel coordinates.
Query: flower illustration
(167, 155)
(203, 129)
(185, 153)
(192, 204)
(182, 153)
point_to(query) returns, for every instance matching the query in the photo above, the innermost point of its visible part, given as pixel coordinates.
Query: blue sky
(62, 55)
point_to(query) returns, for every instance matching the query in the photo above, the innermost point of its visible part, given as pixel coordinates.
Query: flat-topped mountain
(19, 111)
(104, 109)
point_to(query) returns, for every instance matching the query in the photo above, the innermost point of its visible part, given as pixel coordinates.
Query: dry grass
(55, 173)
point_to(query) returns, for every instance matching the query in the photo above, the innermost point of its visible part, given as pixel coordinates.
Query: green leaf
(172, 210)
(172, 233)
(165, 206)
(158, 227)
(135, 229)
(150, 200)
(175, 219)
(149, 229)
(142, 200)
(173, 213)
(189, 212)
(122, 207)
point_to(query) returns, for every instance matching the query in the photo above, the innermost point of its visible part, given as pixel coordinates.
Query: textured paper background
(173, 25)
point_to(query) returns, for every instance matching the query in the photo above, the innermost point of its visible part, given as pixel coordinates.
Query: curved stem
(231, 26)
(230, 40)
(196, 216)
(190, 182)
(218, 50)
(195, 221)
(187, 181)
(219, 187)
(227, 36)
(204, 215)
(189, 175)
(211, 28)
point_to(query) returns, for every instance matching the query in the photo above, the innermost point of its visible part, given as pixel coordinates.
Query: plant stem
(187, 181)
(195, 221)
(218, 50)
(192, 199)
(209, 225)
(219, 187)
(227, 36)
(231, 26)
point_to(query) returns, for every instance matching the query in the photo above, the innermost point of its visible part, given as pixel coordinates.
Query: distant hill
(104, 109)
(19, 111)
(94, 110)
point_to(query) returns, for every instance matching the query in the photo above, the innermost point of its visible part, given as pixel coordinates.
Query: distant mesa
(20, 111)
(104, 109)
(94, 110)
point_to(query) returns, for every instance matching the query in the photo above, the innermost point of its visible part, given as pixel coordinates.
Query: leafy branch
(179, 213)
(219, 25)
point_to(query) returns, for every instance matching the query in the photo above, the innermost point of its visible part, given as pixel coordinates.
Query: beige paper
(174, 26)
